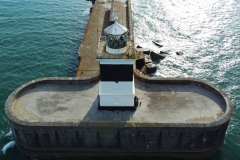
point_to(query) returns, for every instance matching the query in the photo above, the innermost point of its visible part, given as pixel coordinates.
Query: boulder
(147, 59)
(156, 56)
(144, 50)
(150, 68)
(179, 53)
(139, 55)
(140, 62)
(157, 44)
(138, 46)
(164, 52)
(143, 70)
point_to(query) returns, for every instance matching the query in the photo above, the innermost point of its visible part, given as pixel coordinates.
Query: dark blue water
(41, 39)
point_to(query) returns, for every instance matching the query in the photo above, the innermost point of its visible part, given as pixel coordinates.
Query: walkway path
(99, 20)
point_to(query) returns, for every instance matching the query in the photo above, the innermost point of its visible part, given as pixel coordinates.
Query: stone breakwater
(99, 20)
(184, 118)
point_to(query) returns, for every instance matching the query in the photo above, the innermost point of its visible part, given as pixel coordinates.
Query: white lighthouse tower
(116, 58)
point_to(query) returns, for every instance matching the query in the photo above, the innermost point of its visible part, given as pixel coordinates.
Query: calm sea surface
(41, 39)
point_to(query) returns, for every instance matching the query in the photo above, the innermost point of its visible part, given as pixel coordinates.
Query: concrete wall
(175, 141)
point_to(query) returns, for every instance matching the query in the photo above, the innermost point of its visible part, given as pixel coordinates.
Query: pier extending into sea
(101, 17)
(183, 118)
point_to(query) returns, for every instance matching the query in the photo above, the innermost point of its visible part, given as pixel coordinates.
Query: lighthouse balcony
(113, 49)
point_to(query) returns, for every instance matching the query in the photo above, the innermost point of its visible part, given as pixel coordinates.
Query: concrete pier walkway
(59, 116)
(99, 20)
(160, 104)
(184, 118)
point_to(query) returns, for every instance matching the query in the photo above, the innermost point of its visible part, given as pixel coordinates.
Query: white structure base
(116, 100)
(116, 51)
(119, 94)
(113, 88)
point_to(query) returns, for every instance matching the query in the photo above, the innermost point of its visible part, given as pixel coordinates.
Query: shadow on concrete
(95, 115)
(106, 22)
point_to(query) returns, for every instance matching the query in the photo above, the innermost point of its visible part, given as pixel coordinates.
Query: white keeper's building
(116, 57)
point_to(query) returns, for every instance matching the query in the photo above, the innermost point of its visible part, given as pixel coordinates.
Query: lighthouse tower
(116, 57)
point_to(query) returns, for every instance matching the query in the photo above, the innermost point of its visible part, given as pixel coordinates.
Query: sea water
(41, 39)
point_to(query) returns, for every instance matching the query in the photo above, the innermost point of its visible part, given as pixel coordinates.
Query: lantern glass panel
(116, 41)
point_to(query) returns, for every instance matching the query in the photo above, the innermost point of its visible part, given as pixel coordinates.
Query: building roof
(116, 29)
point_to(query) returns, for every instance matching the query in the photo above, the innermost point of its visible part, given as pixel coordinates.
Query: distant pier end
(88, 115)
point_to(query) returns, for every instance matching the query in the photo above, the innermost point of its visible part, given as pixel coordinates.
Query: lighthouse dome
(116, 29)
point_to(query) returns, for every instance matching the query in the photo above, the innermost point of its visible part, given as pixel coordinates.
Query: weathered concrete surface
(164, 103)
(103, 54)
(175, 117)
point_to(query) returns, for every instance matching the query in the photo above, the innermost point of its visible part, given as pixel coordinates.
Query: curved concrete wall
(201, 140)
(175, 141)
(228, 109)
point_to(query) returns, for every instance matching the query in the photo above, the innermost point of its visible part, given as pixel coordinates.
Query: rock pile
(145, 57)
(144, 60)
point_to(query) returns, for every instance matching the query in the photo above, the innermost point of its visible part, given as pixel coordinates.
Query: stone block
(150, 68)
(179, 53)
(140, 63)
(139, 60)
(143, 69)
(147, 59)
(144, 50)
(156, 56)
(164, 52)
(138, 46)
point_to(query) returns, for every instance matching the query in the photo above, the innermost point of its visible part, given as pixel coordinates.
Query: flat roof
(54, 104)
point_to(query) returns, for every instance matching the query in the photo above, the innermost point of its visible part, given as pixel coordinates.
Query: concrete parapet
(181, 142)
(122, 137)
(228, 109)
